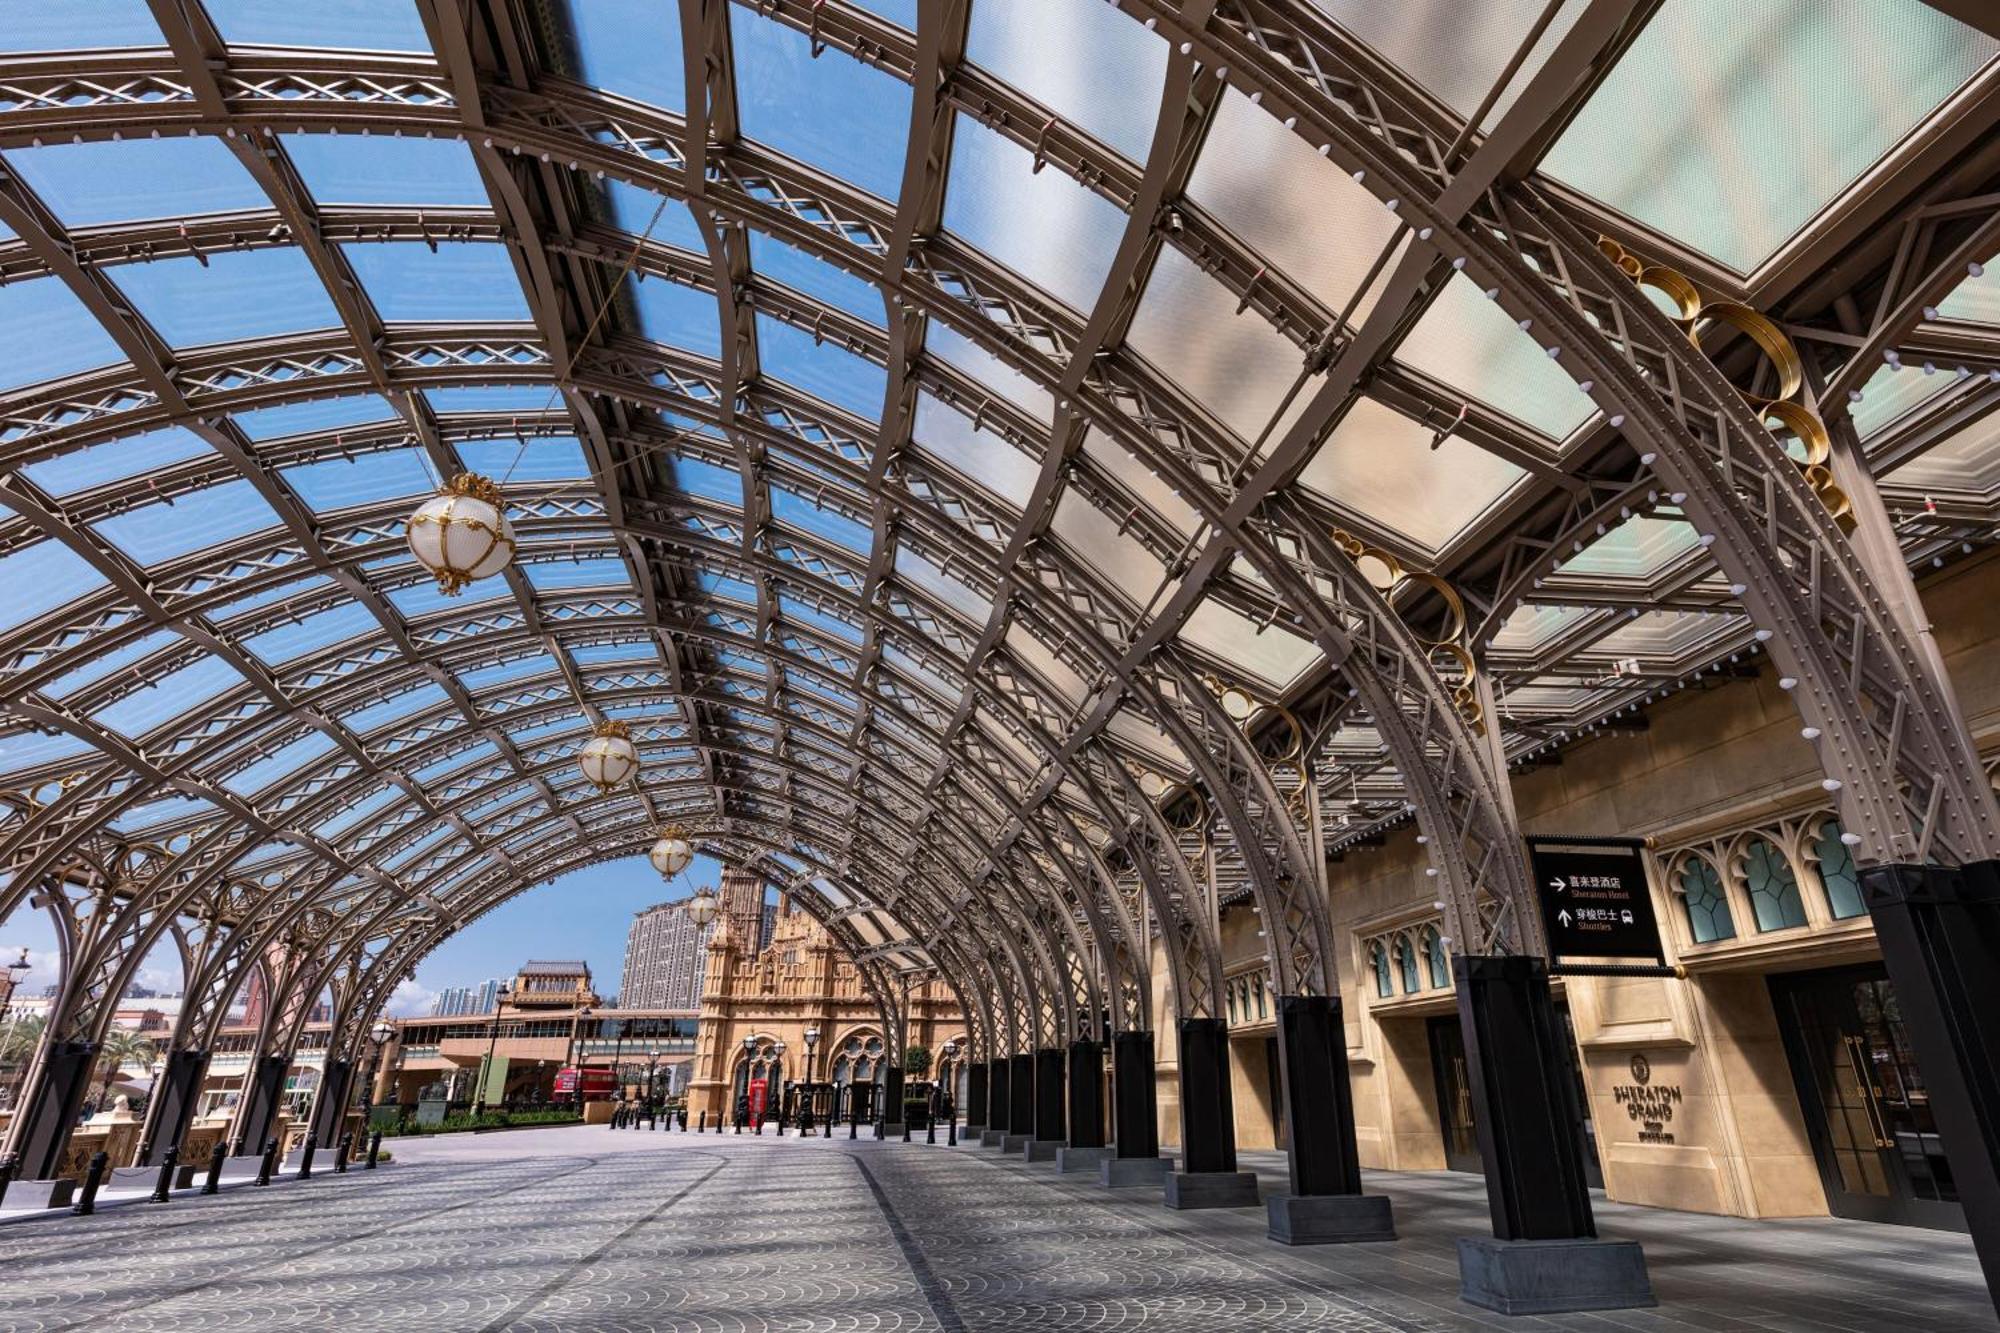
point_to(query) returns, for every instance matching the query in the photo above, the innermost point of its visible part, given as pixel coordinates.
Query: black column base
(1000, 1106)
(1021, 1098)
(1939, 929)
(1071, 1159)
(1552, 1276)
(1086, 1094)
(1212, 1189)
(1051, 1067)
(1319, 1101)
(1330, 1219)
(1135, 1096)
(975, 1098)
(1041, 1150)
(1208, 1112)
(1127, 1172)
(1523, 1099)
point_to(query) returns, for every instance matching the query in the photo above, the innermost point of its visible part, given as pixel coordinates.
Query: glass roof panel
(1964, 463)
(1729, 123)
(114, 460)
(37, 25)
(1380, 466)
(1891, 394)
(1308, 217)
(1115, 556)
(476, 679)
(833, 112)
(337, 483)
(1636, 548)
(1455, 51)
(676, 316)
(227, 295)
(386, 169)
(279, 764)
(104, 664)
(155, 533)
(781, 263)
(365, 25)
(492, 398)
(1270, 656)
(1144, 484)
(949, 436)
(1976, 299)
(22, 750)
(590, 572)
(322, 629)
(41, 577)
(942, 587)
(400, 705)
(1468, 343)
(422, 599)
(322, 414)
(902, 12)
(961, 353)
(804, 613)
(128, 180)
(408, 281)
(696, 476)
(787, 506)
(547, 458)
(1082, 59)
(1239, 369)
(45, 333)
(171, 696)
(1043, 225)
(645, 213)
(628, 47)
(825, 370)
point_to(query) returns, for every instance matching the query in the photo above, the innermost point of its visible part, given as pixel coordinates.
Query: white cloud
(44, 966)
(410, 1000)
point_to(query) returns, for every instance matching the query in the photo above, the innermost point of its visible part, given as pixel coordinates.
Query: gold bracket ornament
(1450, 655)
(1798, 428)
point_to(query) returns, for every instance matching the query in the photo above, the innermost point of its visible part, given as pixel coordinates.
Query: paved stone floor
(587, 1229)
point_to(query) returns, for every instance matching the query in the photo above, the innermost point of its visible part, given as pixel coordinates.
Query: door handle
(1875, 1119)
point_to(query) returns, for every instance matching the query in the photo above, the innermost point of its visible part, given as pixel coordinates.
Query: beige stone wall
(1711, 759)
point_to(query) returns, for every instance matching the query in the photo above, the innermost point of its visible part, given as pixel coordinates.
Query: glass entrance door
(1866, 1107)
(1454, 1096)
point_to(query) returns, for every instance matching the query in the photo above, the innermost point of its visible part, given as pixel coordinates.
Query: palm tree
(122, 1046)
(19, 1039)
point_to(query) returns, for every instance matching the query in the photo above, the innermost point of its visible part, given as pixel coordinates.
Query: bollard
(215, 1157)
(340, 1157)
(306, 1158)
(165, 1182)
(91, 1180)
(906, 1128)
(704, 1124)
(853, 1127)
(951, 1131)
(374, 1148)
(269, 1162)
(930, 1131)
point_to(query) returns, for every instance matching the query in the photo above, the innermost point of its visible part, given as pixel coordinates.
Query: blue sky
(582, 915)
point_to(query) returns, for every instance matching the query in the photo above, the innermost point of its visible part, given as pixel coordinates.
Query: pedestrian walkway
(590, 1228)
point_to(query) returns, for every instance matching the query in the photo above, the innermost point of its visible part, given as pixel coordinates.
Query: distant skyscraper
(455, 1001)
(664, 955)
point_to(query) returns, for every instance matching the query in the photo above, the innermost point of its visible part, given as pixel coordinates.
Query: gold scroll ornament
(1785, 413)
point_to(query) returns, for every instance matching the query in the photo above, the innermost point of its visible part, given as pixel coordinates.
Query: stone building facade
(1768, 1077)
(799, 979)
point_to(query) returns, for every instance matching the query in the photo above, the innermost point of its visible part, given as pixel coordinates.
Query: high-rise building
(455, 1001)
(664, 950)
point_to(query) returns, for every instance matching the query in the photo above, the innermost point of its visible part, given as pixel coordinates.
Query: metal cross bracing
(1020, 768)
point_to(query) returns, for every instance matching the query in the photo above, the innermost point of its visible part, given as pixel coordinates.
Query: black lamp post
(776, 1075)
(492, 1042)
(812, 1073)
(382, 1032)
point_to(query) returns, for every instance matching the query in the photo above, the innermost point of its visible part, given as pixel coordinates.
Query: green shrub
(465, 1121)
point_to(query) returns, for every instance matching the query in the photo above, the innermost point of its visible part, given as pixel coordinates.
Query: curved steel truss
(1013, 610)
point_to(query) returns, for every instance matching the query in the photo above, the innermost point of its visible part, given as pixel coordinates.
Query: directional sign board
(1595, 903)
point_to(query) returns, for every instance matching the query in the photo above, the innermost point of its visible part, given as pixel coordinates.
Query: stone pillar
(1000, 1102)
(1020, 1102)
(1136, 1127)
(1050, 1063)
(1208, 1177)
(49, 1110)
(336, 1081)
(172, 1107)
(975, 1096)
(1325, 1204)
(1543, 1256)
(263, 1087)
(891, 1113)
(1939, 928)
(1086, 1094)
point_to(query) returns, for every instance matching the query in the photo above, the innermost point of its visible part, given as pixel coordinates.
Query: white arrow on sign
(1563, 916)
(1557, 884)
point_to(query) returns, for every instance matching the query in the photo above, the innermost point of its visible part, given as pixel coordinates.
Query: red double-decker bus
(596, 1083)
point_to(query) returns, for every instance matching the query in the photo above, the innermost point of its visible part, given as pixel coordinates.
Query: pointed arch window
(1406, 963)
(1434, 959)
(1837, 872)
(1774, 888)
(1378, 958)
(1704, 902)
